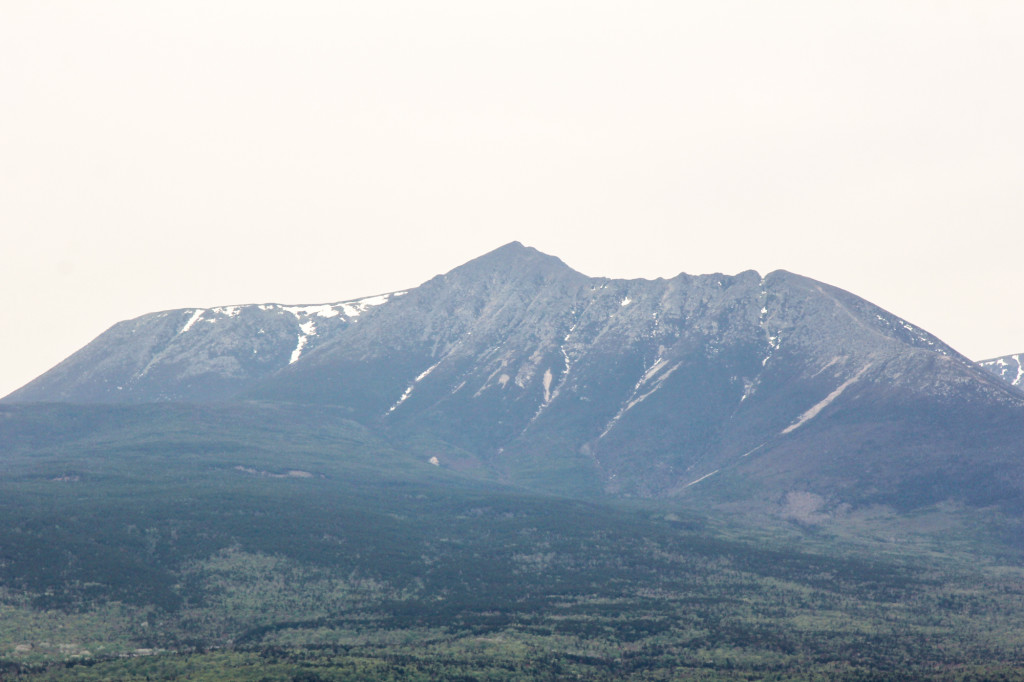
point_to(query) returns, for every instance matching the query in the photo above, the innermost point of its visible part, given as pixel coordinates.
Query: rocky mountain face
(776, 388)
(1008, 368)
(193, 354)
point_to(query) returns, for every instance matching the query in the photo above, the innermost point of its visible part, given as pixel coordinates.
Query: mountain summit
(516, 366)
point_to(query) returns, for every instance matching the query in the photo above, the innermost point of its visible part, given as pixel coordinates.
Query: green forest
(272, 543)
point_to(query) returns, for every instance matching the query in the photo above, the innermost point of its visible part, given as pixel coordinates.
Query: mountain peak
(516, 260)
(514, 245)
(517, 251)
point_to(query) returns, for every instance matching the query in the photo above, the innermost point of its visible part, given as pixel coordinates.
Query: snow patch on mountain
(636, 397)
(349, 309)
(547, 385)
(402, 399)
(702, 478)
(356, 308)
(425, 373)
(308, 329)
(192, 320)
(297, 353)
(835, 360)
(1009, 368)
(408, 391)
(657, 384)
(813, 412)
(323, 310)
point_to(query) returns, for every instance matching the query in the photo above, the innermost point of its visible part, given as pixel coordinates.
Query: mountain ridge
(1009, 368)
(275, 334)
(547, 377)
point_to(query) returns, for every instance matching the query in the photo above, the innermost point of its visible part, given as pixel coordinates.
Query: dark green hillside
(270, 542)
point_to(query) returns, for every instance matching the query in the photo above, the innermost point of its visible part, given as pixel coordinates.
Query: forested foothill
(269, 542)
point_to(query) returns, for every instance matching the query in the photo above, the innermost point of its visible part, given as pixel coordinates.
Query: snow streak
(408, 391)
(636, 397)
(813, 412)
(195, 318)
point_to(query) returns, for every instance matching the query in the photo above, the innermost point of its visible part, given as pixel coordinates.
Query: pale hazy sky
(168, 154)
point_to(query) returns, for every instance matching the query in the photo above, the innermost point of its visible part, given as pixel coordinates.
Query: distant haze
(182, 154)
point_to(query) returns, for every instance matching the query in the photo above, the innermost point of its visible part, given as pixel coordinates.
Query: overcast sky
(158, 155)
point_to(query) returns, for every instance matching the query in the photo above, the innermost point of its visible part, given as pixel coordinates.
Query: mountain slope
(1009, 368)
(646, 387)
(720, 387)
(192, 354)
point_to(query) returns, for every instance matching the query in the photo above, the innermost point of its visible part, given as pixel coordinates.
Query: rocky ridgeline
(778, 387)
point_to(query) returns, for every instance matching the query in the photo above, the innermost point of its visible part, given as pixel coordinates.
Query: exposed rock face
(735, 387)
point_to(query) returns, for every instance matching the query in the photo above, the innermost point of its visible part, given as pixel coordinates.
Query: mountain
(1008, 368)
(193, 354)
(777, 391)
(516, 471)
